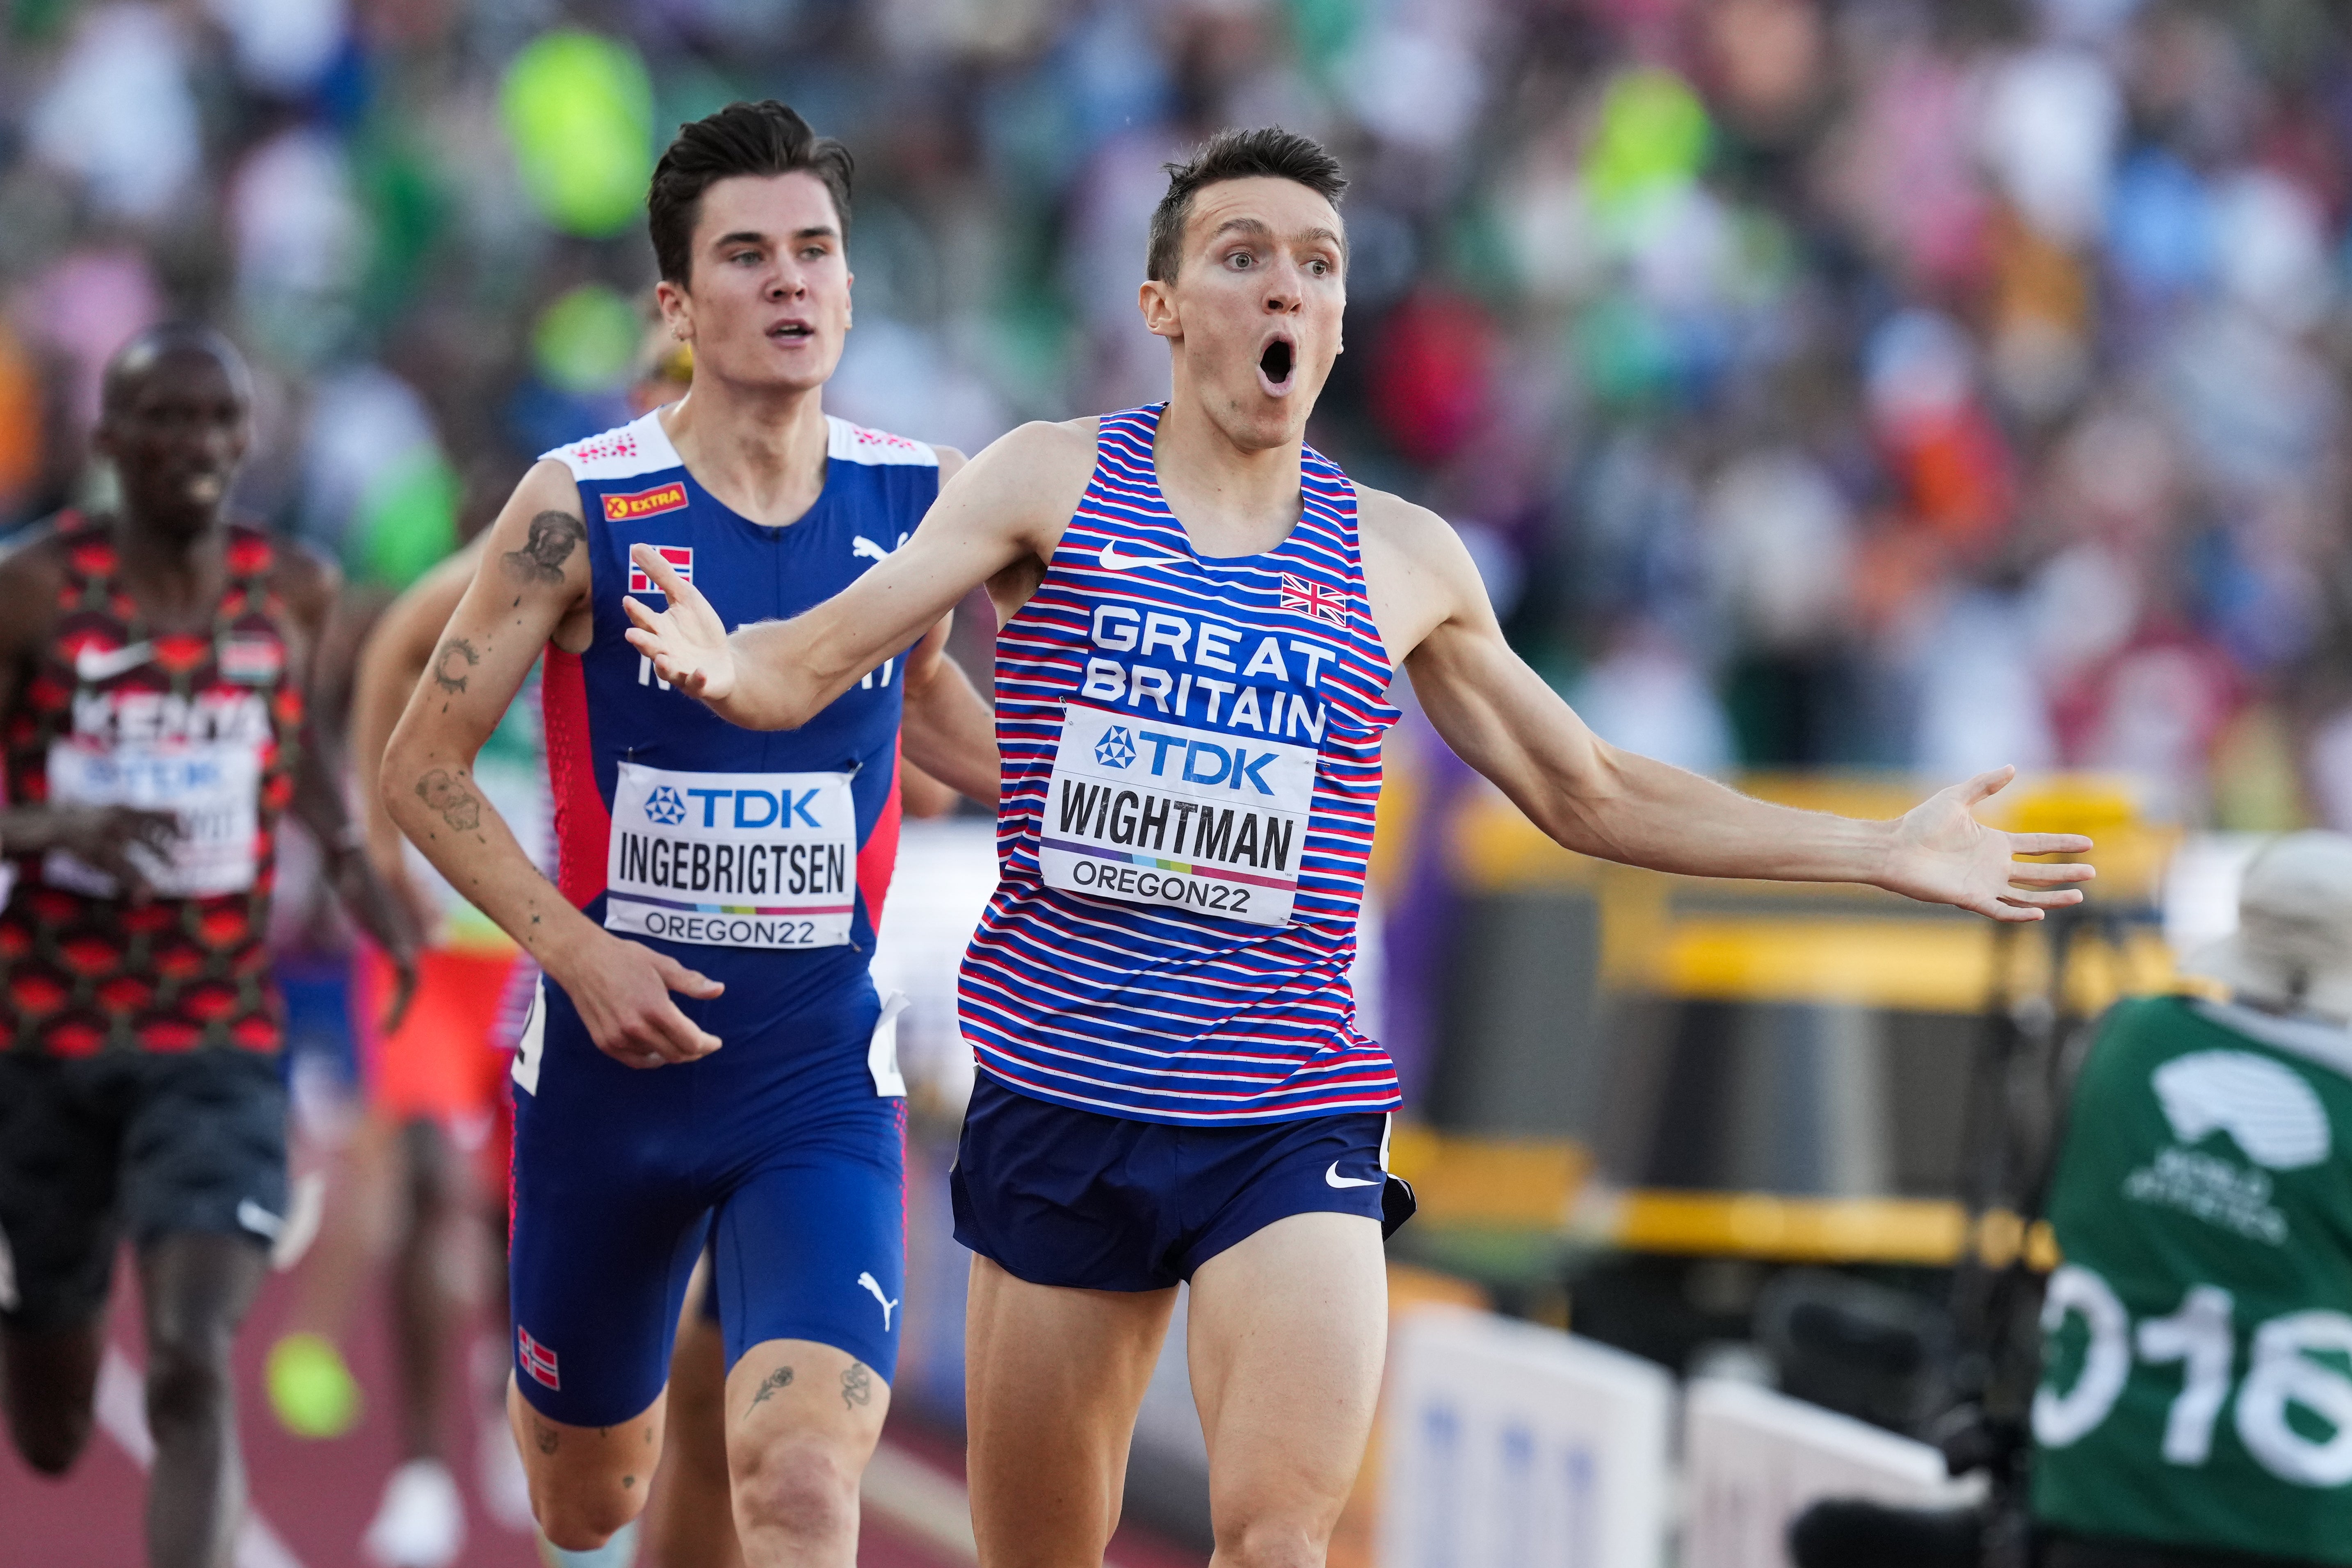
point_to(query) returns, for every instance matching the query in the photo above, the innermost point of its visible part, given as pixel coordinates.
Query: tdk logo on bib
(732, 859)
(1116, 748)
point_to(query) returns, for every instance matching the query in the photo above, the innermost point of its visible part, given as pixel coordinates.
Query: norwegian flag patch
(537, 1359)
(681, 560)
(1314, 599)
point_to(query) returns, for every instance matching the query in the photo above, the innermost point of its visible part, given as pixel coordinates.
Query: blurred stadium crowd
(1877, 383)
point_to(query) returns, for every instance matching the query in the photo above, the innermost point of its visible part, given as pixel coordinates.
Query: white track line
(123, 1413)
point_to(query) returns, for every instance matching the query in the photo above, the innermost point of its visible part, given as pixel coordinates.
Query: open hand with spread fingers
(687, 641)
(1942, 855)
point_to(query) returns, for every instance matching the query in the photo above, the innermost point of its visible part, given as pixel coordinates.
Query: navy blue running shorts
(778, 1148)
(1060, 1196)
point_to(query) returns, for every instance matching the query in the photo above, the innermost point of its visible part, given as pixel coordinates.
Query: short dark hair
(1234, 155)
(757, 138)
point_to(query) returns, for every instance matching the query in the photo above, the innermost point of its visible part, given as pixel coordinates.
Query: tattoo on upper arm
(553, 537)
(780, 1378)
(857, 1385)
(548, 1438)
(446, 663)
(446, 794)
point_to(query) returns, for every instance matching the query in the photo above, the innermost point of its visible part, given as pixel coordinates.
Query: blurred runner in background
(154, 670)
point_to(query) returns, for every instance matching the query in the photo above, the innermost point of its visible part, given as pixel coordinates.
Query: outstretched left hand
(1942, 855)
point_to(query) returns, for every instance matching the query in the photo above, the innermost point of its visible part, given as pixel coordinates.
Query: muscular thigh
(60, 1158)
(608, 1219)
(1288, 1329)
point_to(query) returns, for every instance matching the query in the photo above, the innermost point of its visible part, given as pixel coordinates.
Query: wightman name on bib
(1149, 812)
(732, 859)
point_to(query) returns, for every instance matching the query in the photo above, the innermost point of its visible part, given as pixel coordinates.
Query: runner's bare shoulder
(1034, 474)
(306, 580)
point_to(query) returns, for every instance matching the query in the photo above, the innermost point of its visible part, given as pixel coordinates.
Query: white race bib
(214, 787)
(732, 859)
(1148, 812)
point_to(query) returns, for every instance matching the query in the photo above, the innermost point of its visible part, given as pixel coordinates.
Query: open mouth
(1274, 366)
(791, 333)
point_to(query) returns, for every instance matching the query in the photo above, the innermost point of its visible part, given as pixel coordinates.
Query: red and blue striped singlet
(1191, 755)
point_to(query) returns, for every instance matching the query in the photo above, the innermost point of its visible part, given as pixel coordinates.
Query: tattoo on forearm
(857, 1385)
(447, 794)
(553, 537)
(548, 1438)
(445, 666)
(780, 1378)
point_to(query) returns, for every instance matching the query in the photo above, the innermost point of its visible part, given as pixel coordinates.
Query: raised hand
(686, 642)
(1942, 855)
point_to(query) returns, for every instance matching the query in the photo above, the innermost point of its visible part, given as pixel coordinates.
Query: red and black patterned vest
(81, 971)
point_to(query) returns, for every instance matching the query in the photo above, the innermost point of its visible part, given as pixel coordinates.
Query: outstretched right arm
(531, 586)
(1007, 505)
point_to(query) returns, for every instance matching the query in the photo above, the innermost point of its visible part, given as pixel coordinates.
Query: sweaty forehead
(1284, 208)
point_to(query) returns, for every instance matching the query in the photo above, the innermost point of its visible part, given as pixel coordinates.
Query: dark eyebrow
(751, 236)
(1258, 228)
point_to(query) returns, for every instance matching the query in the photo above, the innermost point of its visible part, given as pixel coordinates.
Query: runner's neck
(1232, 502)
(172, 576)
(761, 456)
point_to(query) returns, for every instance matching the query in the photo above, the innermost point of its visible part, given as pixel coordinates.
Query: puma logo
(867, 1281)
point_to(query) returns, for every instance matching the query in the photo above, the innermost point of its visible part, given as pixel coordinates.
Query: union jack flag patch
(1314, 599)
(537, 1359)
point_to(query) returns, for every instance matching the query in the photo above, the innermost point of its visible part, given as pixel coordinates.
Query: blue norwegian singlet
(1192, 757)
(759, 859)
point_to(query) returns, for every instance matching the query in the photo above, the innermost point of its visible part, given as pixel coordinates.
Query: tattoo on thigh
(548, 1438)
(447, 667)
(554, 536)
(445, 792)
(857, 1385)
(780, 1378)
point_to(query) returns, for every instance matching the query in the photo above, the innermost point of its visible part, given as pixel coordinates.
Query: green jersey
(2197, 1388)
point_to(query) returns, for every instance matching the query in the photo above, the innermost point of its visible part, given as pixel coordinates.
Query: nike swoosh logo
(1337, 1179)
(1112, 561)
(257, 1219)
(104, 663)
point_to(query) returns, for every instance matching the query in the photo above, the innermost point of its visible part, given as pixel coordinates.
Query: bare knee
(1273, 1541)
(187, 1381)
(803, 1491)
(583, 1521)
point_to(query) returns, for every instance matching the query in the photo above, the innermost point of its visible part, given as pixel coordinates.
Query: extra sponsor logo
(679, 558)
(670, 497)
